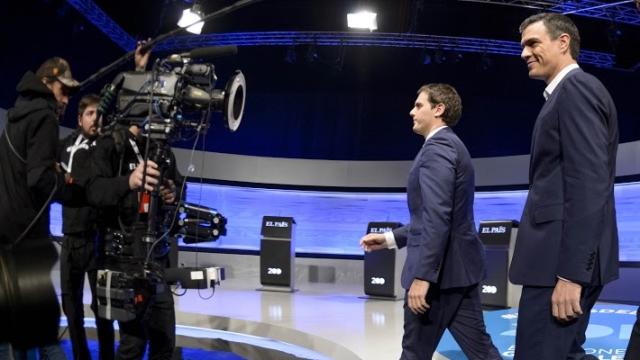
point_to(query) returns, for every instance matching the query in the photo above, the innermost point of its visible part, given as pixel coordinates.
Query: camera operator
(29, 180)
(114, 191)
(116, 188)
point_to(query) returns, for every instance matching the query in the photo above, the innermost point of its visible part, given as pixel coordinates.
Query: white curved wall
(492, 171)
(505, 170)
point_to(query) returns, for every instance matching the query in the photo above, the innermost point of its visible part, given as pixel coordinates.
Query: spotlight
(362, 20)
(190, 19)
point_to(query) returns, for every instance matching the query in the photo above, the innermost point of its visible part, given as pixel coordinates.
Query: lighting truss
(102, 21)
(620, 11)
(288, 38)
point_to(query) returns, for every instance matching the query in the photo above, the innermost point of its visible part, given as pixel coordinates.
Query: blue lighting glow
(331, 223)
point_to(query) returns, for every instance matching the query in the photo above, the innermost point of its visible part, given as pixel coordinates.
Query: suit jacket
(568, 226)
(441, 238)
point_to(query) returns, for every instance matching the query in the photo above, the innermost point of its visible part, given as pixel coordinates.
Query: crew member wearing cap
(28, 150)
(29, 181)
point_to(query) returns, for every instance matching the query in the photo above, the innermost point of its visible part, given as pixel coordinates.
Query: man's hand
(373, 241)
(417, 296)
(135, 179)
(565, 301)
(142, 57)
(168, 191)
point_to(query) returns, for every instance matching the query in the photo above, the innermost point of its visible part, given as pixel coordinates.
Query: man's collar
(556, 80)
(433, 132)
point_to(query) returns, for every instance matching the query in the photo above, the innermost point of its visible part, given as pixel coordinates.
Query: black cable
(179, 294)
(46, 203)
(64, 331)
(35, 219)
(213, 292)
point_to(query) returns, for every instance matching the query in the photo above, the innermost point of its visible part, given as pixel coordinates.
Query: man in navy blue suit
(633, 349)
(567, 245)
(445, 258)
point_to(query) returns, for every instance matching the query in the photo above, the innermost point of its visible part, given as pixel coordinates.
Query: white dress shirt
(556, 80)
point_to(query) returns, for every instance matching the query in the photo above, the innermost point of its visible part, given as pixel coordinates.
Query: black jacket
(77, 157)
(112, 161)
(27, 176)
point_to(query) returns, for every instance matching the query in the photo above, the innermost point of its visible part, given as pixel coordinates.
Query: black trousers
(79, 257)
(157, 326)
(456, 309)
(540, 336)
(633, 349)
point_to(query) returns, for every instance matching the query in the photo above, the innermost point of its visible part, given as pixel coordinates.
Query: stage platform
(327, 318)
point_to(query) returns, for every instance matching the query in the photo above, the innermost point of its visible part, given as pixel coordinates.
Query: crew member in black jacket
(81, 254)
(29, 180)
(118, 166)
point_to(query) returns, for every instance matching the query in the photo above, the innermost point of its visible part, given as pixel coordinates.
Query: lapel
(534, 136)
(548, 106)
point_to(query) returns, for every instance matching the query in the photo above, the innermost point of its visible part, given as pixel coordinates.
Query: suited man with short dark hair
(445, 258)
(567, 244)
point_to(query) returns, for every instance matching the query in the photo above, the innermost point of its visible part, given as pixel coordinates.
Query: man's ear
(565, 42)
(439, 109)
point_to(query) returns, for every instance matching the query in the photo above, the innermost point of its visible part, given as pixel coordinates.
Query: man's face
(424, 115)
(61, 93)
(543, 55)
(88, 121)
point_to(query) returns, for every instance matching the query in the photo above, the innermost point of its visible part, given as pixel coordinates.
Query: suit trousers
(633, 349)
(456, 309)
(540, 336)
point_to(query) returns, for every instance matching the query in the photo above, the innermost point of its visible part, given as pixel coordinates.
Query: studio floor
(334, 321)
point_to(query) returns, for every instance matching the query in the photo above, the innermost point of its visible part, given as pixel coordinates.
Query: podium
(277, 254)
(499, 239)
(383, 268)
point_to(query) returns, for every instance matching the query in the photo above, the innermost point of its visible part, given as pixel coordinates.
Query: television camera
(171, 102)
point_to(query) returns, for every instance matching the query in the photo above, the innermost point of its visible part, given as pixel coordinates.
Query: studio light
(190, 19)
(362, 20)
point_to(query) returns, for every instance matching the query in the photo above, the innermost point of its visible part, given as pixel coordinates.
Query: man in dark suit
(633, 349)
(567, 245)
(445, 258)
